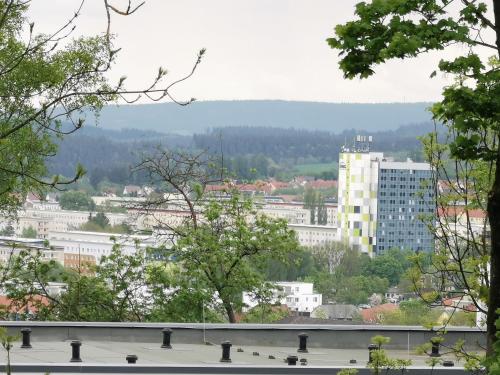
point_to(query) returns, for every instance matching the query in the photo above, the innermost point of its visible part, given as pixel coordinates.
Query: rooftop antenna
(362, 143)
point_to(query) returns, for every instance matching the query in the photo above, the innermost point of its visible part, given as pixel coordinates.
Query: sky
(256, 49)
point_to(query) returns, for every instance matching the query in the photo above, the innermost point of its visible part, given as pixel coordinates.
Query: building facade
(299, 297)
(381, 202)
(405, 196)
(314, 235)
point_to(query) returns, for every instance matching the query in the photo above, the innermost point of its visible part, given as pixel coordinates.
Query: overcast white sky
(256, 49)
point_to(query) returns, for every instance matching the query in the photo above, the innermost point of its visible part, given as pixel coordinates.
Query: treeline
(282, 145)
(249, 152)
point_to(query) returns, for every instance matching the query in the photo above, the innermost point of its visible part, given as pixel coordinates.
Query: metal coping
(228, 326)
(211, 369)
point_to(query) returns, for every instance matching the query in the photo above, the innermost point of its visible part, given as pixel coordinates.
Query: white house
(298, 296)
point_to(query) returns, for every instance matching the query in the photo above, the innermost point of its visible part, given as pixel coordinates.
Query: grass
(316, 169)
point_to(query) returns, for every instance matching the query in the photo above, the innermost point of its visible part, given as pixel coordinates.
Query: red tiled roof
(454, 211)
(322, 184)
(32, 304)
(372, 315)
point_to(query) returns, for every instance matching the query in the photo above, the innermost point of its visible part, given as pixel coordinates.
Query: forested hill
(109, 154)
(200, 116)
(292, 144)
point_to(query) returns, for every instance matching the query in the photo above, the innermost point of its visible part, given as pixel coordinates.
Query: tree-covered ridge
(249, 152)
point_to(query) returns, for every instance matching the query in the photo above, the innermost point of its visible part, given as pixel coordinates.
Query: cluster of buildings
(382, 204)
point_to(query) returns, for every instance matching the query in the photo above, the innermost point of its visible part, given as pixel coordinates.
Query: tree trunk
(494, 219)
(494, 290)
(229, 311)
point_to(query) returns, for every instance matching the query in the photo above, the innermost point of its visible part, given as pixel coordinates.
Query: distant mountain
(201, 116)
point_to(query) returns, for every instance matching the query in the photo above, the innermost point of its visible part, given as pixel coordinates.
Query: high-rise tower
(380, 201)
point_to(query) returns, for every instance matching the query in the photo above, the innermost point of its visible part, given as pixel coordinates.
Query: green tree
(315, 202)
(223, 243)
(356, 290)
(100, 219)
(76, 200)
(8, 231)
(29, 232)
(390, 265)
(470, 108)
(116, 292)
(310, 203)
(50, 83)
(227, 248)
(298, 264)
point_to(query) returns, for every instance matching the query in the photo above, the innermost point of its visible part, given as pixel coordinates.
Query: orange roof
(322, 184)
(279, 184)
(15, 306)
(373, 314)
(461, 210)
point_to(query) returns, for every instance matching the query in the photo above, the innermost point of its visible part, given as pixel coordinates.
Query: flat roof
(114, 353)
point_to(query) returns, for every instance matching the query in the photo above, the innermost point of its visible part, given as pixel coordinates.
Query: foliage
(50, 84)
(356, 290)
(229, 246)
(6, 341)
(347, 276)
(469, 111)
(380, 360)
(411, 312)
(76, 201)
(186, 299)
(29, 232)
(348, 371)
(8, 231)
(315, 202)
(297, 264)
(391, 265)
(330, 253)
(265, 313)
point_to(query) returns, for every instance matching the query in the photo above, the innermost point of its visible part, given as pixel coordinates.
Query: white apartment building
(45, 221)
(332, 214)
(12, 246)
(293, 213)
(298, 296)
(313, 235)
(96, 244)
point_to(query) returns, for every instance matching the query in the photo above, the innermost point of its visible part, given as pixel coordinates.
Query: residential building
(381, 201)
(96, 244)
(292, 212)
(298, 296)
(313, 235)
(12, 247)
(45, 221)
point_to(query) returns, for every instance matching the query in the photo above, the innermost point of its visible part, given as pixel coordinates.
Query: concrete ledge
(212, 369)
(320, 336)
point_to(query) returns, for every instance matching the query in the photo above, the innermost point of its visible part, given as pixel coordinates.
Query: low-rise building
(12, 247)
(45, 221)
(314, 235)
(292, 212)
(96, 244)
(298, 296)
